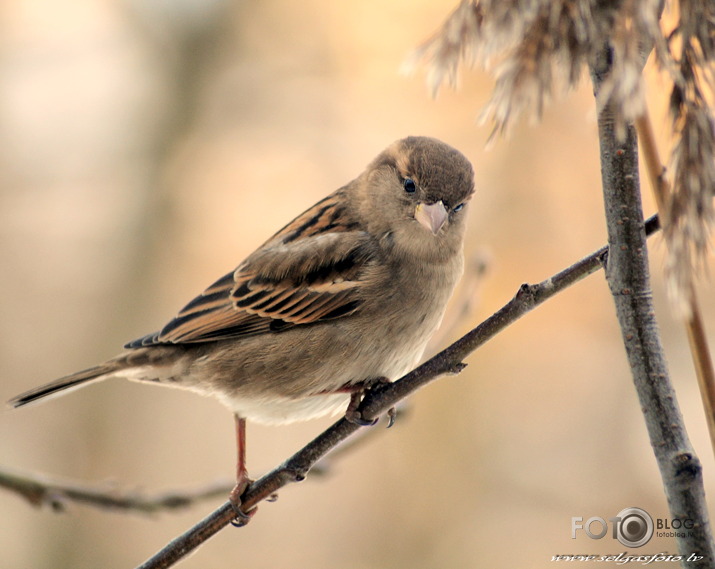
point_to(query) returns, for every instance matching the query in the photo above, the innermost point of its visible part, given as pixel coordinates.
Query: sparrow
(345, 296)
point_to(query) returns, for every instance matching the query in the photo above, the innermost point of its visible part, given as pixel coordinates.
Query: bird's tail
(66, 383)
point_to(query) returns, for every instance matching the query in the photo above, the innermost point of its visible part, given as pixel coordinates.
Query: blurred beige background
(147, 147)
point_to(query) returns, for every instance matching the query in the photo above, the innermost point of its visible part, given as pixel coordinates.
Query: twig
(40, 490)
(379, 400)
(323, 466)
(628, 280)
(697, 338)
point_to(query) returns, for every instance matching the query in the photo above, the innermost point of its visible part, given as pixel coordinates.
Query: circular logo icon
(635, 528)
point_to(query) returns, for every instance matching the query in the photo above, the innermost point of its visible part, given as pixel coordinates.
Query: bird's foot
(235, 498)
(354, 414)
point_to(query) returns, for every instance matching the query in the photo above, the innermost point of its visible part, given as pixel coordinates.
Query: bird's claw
(391, 416)
(355, 416)
(353, 413)
(234, 498)
(242, 518)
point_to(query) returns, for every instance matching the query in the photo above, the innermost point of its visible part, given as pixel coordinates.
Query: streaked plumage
(348, 292)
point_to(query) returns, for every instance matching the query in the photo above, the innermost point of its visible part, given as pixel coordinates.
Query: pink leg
(242, 479)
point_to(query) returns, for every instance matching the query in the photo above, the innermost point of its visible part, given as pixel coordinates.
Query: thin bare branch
(41, 490)
(629, 281)
(694, 325)
(379, 400)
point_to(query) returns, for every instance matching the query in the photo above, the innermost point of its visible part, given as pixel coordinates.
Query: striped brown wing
(312, 270)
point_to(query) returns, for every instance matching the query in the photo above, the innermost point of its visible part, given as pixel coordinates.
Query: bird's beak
(431, 216)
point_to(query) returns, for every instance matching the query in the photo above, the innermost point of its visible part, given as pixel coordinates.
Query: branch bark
(697, 337)
(41, 490)
(628, 279)
(380, 399)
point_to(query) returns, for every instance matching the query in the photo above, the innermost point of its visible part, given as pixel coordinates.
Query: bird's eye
(458, 207)
(409, 185)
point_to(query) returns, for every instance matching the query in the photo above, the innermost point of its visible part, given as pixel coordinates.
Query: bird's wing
(314, 269)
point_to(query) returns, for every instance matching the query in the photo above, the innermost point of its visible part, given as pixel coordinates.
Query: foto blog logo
(633, 527)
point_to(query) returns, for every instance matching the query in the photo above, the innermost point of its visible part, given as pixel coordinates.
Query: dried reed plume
(539, 48)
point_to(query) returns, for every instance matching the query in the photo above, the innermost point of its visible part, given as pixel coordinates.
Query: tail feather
(65, 383)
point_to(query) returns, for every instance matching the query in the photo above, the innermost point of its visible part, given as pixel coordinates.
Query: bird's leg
(242, 479)
(357, 393)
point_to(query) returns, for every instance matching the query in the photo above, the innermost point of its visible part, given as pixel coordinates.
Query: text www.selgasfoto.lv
(623, 558)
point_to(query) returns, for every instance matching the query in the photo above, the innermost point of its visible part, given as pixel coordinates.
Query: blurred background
(146, 147)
